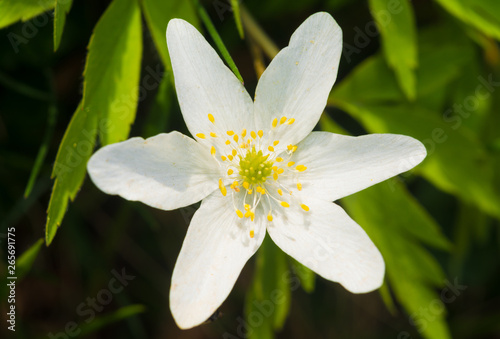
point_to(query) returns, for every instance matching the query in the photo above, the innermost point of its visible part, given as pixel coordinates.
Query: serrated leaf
(112, 70)
(158, 13)
(70, 166)
(269, 297)
(481, 14)
(61, 9)
(13, 11)
(399, 227)
(396, 25)
(26, 260)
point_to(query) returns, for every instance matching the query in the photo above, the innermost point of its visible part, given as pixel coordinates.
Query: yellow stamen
(211, 118)
(280, 192)
(280, 170)
(260, 133)
(222, 188)
(301, 168)
(276, 142)
(271, 149)
(250, 192)
(234, 152)
(275, 176)
(290, 121)
(213, 135)
(223, 158)
(200, 135)
(230, 157)
(243, 133)
(279, 159)
(252, 233)
(236, 137)
(228, 142)
(304, 207)
(235, 183)
(290, 164)
(212, 150)
(269, 217)
(248, 213)
(282, 120)
(275, 122)
(285, 204)
(229, 171)
(239, 213)
(299, 186)
(246, 185)
(294, 148)
(230, 132)
(253, 134)
(247, 207)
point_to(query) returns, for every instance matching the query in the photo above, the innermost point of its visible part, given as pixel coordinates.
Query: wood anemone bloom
(258, 167)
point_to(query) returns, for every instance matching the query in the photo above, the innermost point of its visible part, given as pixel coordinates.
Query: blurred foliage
(79, 74)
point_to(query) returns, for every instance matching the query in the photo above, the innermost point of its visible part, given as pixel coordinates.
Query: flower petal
(330, 243)
(297, 82)
(204, 84)
(339, 165)
(216, 247)
(166, 171)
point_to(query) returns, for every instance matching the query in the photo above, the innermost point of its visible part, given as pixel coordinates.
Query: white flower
(257, 166)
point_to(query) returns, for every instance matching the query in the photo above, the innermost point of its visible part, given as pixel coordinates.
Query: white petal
(204, 84)
(297, 82)
(166, 171)
(330, 243)
(339, 165)
(216, 247)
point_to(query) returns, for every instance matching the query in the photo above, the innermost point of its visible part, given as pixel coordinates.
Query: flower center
(254, 170)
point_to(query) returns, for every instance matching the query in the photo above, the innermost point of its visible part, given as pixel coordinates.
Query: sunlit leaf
(158, 13)
(61, 9)
(482, 14)
(112, 70)
(15, 10)
(69, 169)
(26, 260)
(399, 227)
(268, 299)
(396, 24)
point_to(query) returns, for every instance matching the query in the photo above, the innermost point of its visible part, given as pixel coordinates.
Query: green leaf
(26, 260)
(481, 14)
(237, 17)
(70, 166)
(112, 70)
(101, 322)
(268, 299)
(15, 10)
(218, 41)
(396, 25)
(158, 13)
(306, 276)
(399, 227)
(61, 9)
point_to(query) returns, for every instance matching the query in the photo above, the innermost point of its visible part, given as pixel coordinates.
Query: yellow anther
(229, 171)
(285, 204)
(228, 142)
(280, 170)
(234, 152)
(247, 207)
(260, 133)
(252, 216)
(235, 183)
(294, 148)
(276, 142)
(213, 135)
(239, 213)
(290, 121)
(212, 150)
(230, 157)
(299, 186)
(275, 176)
(275, 122)
(236, 137)
(279, 159)
(253, 134)
(250, 192)
(258, 189)
(222, 188)
(249, 141)
(290, 164)
(246, 185)
(275, 168)
(248, 213)
(236, 189)
(301, 168)
(280, 192)
(200, 135)
(263, 191)
(252, 233)
(270, 217)
(230, 132)
(271, 149)
(243, 146)
(211, 118)
(223, 158)
(282, 120)
(290, 147)
(243, 133)
(304, 207)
